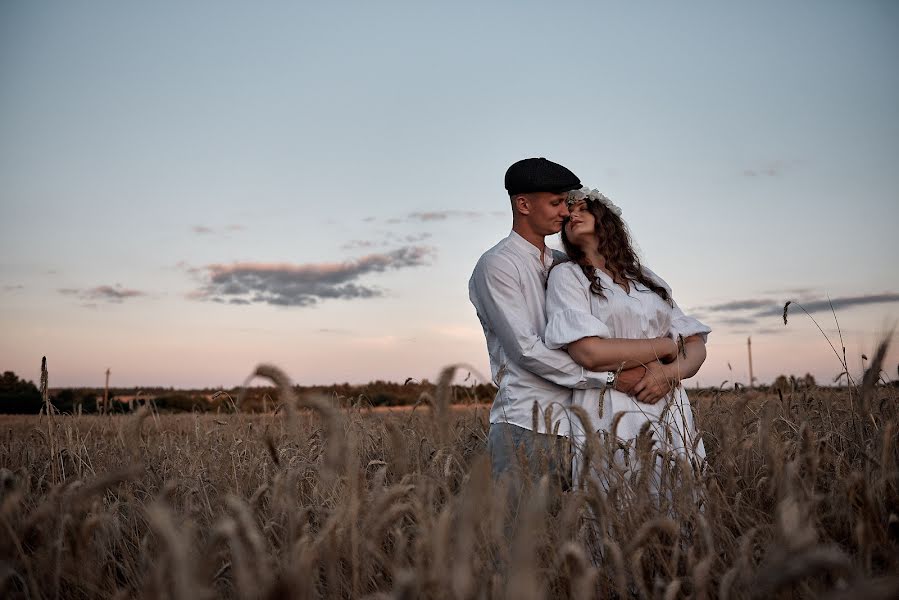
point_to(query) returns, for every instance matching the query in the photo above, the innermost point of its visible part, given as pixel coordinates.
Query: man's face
(546, 211)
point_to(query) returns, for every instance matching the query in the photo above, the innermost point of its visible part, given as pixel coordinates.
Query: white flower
(595, 195)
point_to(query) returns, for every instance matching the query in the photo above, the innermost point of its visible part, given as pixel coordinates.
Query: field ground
(800, 498)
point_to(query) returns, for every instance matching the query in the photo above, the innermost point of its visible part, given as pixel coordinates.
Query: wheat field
(799, 498)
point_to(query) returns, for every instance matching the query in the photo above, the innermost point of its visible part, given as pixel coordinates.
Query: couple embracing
(592, 328)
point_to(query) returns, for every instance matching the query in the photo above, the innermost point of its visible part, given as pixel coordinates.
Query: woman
(611, 313)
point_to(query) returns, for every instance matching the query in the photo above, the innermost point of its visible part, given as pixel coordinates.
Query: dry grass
(799, 499)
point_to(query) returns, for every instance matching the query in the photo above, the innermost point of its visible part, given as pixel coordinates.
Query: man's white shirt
(508, 290)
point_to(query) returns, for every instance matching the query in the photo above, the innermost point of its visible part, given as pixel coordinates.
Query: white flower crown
(586, 193)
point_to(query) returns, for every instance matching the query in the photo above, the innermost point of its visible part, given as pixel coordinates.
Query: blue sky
(348, 157)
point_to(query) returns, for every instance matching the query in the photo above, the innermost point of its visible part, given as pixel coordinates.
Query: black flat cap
(539, 175)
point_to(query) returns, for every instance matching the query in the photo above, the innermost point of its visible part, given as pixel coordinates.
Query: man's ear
(521, 204)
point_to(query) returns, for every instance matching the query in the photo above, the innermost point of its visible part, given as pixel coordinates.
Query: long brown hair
(614, 244)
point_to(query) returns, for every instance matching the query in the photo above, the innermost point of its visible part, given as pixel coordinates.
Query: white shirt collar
(546, 258)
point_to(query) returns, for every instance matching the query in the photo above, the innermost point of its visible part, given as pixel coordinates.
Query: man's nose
(565, 212)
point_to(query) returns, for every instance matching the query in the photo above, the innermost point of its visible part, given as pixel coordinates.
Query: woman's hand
(656, 384)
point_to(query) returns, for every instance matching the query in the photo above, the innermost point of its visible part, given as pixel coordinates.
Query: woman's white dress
(574, 312)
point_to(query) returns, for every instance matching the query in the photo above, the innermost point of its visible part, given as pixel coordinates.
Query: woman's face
(580, 225)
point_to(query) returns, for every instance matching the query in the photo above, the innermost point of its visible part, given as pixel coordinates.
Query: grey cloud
(116, 294)
(112, 294)
(442, 215)
(302, 284)
(770, 172)
(413, 238)
(439, 215)
(793, 292)
(417, 237)
(737, 321)
(359, 244)
(740, 305)
(205, 230)
(759, 331)
(773, 168)
(837, 303)
(758, 311)
(188, 268)
(13, 287)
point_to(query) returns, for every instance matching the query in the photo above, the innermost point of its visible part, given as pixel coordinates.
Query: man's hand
(655, 384)
(628, 378)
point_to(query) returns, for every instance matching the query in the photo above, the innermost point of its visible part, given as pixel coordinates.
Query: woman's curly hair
(614, 244)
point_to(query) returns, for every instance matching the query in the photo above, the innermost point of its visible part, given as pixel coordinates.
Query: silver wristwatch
(610, 379)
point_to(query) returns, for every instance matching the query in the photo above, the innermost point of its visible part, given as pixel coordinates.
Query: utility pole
(751, 376)
(106, 395)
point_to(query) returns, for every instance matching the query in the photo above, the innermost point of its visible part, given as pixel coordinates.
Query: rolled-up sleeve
(686, 326)
(496, 293)
(681, 324)
(568, 310)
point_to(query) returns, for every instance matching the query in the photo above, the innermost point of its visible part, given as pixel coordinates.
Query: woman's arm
(686, 365)
(571, 325)
(601, 354)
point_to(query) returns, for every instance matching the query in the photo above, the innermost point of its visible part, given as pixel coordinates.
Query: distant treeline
(23, 397)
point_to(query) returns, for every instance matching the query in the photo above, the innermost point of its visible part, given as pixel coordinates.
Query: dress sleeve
(681, 324)
(686, 325)
(568, 316)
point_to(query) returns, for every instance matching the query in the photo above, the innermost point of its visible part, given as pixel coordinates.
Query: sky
(191, 189)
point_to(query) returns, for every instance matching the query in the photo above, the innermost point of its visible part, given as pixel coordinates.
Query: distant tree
(88, 403)
(382, 399)
(792, 383)
(18, 396)
(782, 384)
(71, 401)
(179, 402)
(808, 381)
(65, 401)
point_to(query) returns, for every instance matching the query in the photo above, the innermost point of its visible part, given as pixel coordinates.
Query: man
(507, 289)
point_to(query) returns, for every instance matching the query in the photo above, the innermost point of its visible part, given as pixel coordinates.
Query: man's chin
(555, 229)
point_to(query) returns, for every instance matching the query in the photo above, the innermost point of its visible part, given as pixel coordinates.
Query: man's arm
(496, 289)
